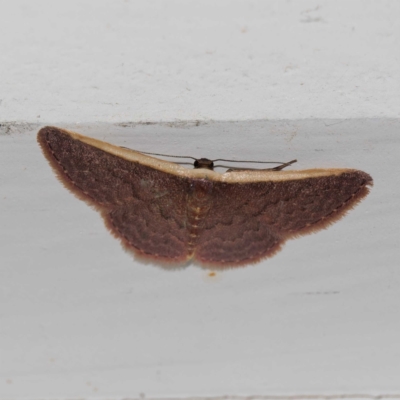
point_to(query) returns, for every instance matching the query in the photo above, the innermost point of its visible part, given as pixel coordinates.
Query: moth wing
(250, 221)
(142, 206)
(301, 206)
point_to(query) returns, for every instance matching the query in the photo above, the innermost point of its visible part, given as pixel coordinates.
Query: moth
(170, 214)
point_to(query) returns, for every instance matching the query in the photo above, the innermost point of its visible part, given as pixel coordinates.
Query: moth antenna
(167, 155)
(221, 159)
(258, 162)
(279, 167)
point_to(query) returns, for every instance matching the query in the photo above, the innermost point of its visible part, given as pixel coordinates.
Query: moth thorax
(200, 190)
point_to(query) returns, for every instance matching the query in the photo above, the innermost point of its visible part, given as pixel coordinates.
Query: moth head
(204, 163)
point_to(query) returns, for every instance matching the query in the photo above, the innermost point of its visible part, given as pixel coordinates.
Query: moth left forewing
(142, 206)
(90, 173)
(96, 170)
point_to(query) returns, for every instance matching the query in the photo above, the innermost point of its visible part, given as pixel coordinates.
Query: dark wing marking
(143, 207)
(251, 221)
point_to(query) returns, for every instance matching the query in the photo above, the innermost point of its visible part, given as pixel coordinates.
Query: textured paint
(171, 214)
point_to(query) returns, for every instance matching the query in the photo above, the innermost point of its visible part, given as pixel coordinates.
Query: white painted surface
(79, 317)
(124, 60)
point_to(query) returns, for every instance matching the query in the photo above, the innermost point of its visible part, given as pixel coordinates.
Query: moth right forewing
(298, 206)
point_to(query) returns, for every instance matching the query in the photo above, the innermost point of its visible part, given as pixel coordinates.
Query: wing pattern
(264, 214)
(132, 198)
(172, 218)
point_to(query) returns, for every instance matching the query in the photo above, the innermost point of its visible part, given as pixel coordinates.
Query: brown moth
(172, 214)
